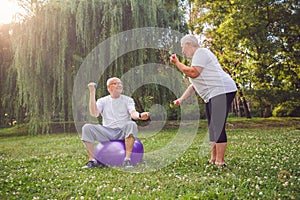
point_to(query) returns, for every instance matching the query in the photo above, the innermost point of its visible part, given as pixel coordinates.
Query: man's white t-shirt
(115, 112)
(213, 80)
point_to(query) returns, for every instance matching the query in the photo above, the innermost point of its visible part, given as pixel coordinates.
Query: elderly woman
(214, 86)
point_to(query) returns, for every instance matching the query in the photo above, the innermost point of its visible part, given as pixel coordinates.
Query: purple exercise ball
(112, 153)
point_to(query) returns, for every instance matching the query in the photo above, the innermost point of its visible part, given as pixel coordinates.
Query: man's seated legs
(96, 132)
(130, 129)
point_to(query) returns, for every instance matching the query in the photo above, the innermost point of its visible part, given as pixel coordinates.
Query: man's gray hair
(191, 39)
(111, 79)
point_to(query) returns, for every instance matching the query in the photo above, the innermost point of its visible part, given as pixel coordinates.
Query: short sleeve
(200, 58)
(130, 105)
(99, 104)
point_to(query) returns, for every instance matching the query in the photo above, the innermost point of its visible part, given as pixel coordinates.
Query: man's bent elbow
(193, 75)
(94, 114)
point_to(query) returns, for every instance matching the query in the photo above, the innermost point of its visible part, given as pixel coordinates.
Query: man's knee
(86, 129)
(87, 135)
(130, 128)
(131, 124)
(129, 137)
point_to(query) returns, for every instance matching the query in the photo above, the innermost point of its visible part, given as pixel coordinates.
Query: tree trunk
(246, 108)
(245, 104)
(236, 107)
(139, 105)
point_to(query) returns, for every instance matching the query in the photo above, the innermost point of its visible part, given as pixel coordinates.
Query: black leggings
(217, 111)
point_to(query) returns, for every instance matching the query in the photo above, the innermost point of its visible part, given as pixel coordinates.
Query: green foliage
(259, 100)
(46, 57)
(189, 114)
(6, 60)
(287, 109)
(256, 41)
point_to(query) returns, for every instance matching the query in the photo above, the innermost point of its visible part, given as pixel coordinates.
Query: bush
(287, 109)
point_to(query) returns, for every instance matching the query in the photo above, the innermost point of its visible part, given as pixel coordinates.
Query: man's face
(187, 50)
(115, 86)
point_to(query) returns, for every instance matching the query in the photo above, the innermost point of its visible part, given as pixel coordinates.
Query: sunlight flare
(9, 10)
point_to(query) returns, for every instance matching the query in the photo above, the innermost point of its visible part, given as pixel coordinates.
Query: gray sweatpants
(97, 132)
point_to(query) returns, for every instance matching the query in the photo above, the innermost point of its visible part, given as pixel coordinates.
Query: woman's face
(187, 50)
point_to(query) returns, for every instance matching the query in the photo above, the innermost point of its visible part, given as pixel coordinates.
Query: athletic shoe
(90, 164)
(127, 164)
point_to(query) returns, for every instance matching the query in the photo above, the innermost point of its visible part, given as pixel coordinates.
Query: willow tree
(6, 57)
(41, 61)
(52, 41)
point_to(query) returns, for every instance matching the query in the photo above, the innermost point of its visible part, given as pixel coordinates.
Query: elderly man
(117, 112)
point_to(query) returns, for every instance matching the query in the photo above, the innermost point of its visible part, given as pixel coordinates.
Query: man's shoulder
(203, 50)
(104, 98)
(126, 97)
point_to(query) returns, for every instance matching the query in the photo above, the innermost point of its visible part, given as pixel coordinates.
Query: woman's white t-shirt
(213, 80)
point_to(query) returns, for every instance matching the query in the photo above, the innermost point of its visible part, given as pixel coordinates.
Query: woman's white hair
(191, 39)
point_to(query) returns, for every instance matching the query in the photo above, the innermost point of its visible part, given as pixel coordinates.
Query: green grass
(263, 164)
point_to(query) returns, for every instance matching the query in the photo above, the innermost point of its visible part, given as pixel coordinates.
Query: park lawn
(263, 163)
